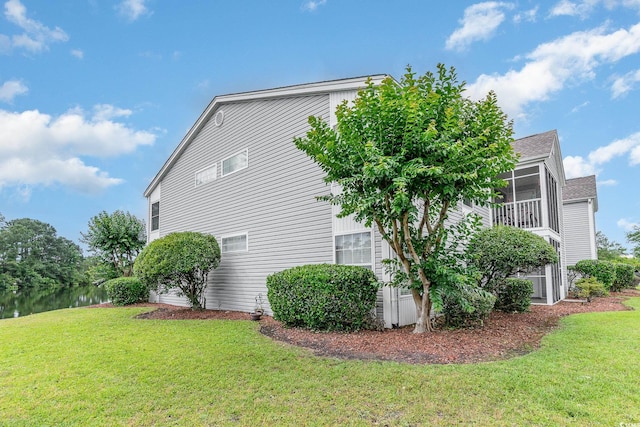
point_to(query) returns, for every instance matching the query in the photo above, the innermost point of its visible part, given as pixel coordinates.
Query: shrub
(126, 290)
(625, 275)
(501, 252)
(604, 271)
(323, 296)
(180, 261)
(468, 307)
(514, 295)
(590, 287)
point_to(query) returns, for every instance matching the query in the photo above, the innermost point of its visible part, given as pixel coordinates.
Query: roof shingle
(580, 188)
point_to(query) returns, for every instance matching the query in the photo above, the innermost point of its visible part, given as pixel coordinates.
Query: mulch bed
(503, 335)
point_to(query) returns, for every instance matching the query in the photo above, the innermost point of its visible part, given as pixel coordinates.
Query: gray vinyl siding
(272, 200)
(378, 269)
(577, 241)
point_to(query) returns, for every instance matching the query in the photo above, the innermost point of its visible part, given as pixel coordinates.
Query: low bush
(604, 271)
(625, 275)
(126, 290)
(323, 296)
(468, 307)
(590, 287)
(514, 295)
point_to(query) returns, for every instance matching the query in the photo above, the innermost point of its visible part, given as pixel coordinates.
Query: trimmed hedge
(514, 295)
(323, 296)
(126, 290)
(625, 274)
(604, 271)
(467, 308)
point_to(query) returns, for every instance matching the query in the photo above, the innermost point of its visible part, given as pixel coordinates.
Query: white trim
(228, 236)
(245, 151)
(151, 229)
(215, 175)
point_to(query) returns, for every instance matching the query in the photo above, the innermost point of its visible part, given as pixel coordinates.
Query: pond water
(28, 302)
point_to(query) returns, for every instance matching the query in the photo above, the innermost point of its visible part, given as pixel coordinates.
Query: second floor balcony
(525, 214)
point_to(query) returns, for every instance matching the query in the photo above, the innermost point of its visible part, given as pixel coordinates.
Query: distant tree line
(33, 256)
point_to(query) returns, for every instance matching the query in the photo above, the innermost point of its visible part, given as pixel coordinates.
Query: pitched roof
(538, 145)
(580, 188)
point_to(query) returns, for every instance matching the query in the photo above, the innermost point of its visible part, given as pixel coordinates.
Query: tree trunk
(423, 310)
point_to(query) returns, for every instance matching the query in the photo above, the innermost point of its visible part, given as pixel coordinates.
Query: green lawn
(103, 367)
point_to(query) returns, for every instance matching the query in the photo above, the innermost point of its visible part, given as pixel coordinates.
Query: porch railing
(525, 214)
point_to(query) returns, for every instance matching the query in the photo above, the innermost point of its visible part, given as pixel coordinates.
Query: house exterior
(532, 200)
(237, 175)
(580, 204)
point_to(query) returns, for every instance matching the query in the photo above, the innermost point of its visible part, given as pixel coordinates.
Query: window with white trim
(235, 163)
(205, 175)
(354, 249)
(236, 243)
(155, 216)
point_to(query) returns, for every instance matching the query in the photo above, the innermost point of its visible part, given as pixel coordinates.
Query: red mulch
(503, 334)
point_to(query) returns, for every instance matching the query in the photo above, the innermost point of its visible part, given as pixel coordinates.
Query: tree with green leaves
(180, 261)
(404, 155)
(633, 237)
(608, 250)
(116, 238)
(32, 255)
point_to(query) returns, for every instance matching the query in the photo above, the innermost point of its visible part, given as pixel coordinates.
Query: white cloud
(579, 107)
(622, 85)
(584, 8)
(312, 5)
(132, 9)
(104, 112)
(77, 53)
(36, 37)
(528, 15)
(576, 166)
(550, 66)
(607, 182)
(480, 22)
(627, 225)
(12, 88)
(38, 149)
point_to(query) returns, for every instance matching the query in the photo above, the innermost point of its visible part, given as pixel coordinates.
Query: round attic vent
(219, 118)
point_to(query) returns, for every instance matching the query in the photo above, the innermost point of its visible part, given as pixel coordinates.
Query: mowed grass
(104, 367)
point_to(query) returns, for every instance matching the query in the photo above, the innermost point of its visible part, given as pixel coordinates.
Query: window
(354, 249)
(206, 175)
(237, 243)
(235, 163)
(467, 202)
(155, 216)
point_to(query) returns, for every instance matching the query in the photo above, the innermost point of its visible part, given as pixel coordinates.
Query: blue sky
(96, 94)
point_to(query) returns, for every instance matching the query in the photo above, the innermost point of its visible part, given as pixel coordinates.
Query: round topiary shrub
(501, 252)
(126, 290)
(181, 262)
(514, 295)
(466, 308)
(323, 296)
